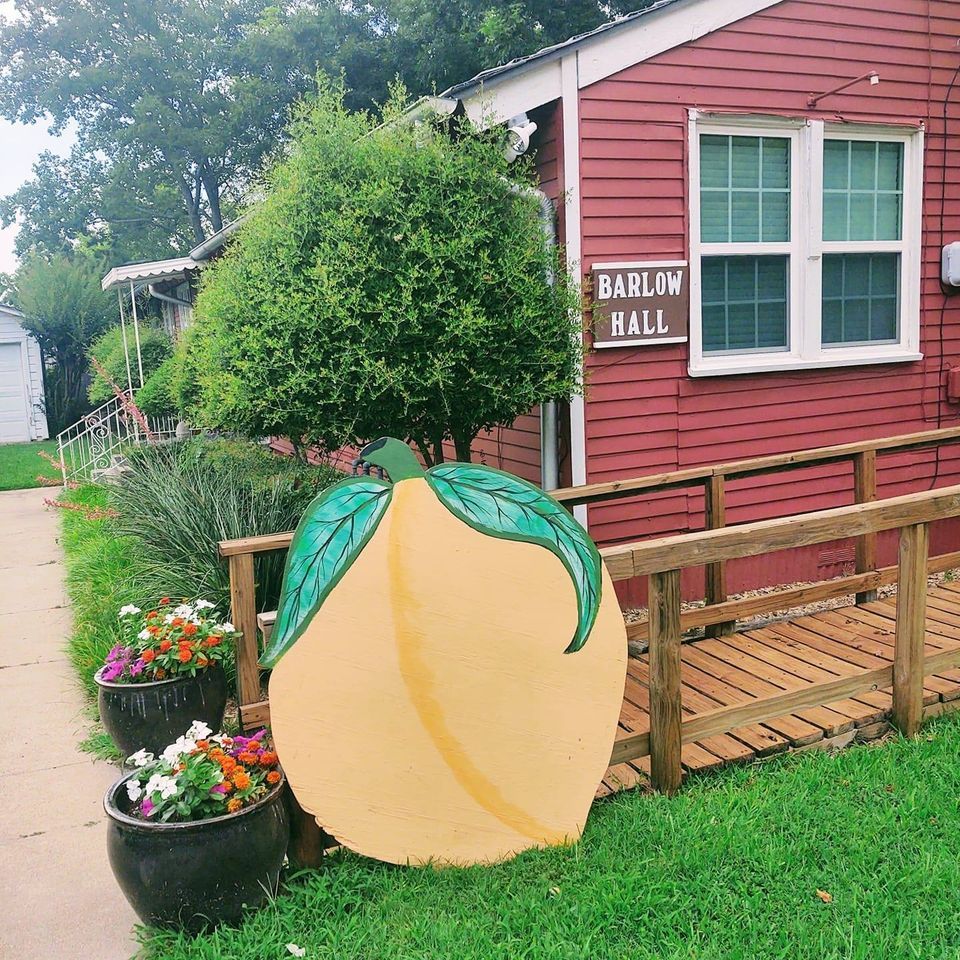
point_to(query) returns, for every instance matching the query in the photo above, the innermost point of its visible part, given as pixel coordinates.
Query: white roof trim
(149, 272)
(600, 55)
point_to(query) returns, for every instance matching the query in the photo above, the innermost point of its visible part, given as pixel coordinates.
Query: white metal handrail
(93, 441)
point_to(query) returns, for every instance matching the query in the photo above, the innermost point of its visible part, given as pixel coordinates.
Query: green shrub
(184, 498)
(394, 282)
(156, 398)
(155, 347)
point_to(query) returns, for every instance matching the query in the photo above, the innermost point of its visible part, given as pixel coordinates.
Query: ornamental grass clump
(169, 641)
(202, 775)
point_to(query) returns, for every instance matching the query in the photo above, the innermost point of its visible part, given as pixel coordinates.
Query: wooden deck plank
(767, 679)
(730, 685)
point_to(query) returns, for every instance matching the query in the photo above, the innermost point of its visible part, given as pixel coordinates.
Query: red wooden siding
(644, 413)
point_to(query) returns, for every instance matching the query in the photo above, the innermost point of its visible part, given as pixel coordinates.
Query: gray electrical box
(950, 265)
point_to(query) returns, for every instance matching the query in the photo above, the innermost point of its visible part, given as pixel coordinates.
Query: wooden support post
(243, 606)
(911, 617)
(665, 718)
(307, 840)
(865, 491)
(715, 516)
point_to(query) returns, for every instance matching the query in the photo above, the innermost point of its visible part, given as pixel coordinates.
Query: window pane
(862, 190)
(775, 217)
(776, 163)
(744, 303)
(744, 189)
(863, 165)
(745, 216)
(861, 298)
(715, 162)
(715, 216)
(836, 165)
(745, 162)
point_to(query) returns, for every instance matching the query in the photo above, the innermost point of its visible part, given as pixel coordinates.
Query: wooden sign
(448, 660)
(636, 304)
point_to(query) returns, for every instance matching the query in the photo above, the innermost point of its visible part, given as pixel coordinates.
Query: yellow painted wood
(429, 714)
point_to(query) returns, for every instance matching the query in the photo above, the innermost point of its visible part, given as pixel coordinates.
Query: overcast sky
(19, 147)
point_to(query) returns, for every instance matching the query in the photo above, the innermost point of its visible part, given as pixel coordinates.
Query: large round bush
(391, 282)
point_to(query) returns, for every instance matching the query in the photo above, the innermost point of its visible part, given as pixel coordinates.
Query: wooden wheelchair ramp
(785, 656)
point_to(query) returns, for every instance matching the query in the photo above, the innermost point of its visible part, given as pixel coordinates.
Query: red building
(802, 158)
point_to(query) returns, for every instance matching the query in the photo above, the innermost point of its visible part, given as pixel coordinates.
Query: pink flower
(147, 807)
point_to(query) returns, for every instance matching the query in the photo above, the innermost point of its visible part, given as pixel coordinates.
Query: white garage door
(14, 423)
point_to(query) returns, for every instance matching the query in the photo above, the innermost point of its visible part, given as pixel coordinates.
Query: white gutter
(549, 459)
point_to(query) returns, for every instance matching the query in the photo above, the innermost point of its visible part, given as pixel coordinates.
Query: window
(804, 245)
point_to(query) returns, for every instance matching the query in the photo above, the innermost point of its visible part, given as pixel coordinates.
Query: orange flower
(153, 630)
(247, 757)
(184, 656)
(176, 622)
(228, 765)
(213, 641)
(203, 744)
(234, 804)
(160, 673)
(148, 656)
(273, 777)
(185, 644)
(241, 780)
(164, 600)
(227, 786)
(165, 645)
(152, 614)
(202, 661)
(189, 629)
(268, 758)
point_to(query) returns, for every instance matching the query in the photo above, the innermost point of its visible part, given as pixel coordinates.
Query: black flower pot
(152, 715)
(196, 875)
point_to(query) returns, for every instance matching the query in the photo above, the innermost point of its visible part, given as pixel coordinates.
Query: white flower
(129, 610)
(144, 635)
(227, 626)
(297, 951)
(141, 758)
(166, 786)
(183, 745)
(199, 730)
(134, 790)
(184, 610)
(204, 605)
(169, 618)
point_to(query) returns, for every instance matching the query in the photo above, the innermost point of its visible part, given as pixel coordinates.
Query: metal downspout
(549, 459)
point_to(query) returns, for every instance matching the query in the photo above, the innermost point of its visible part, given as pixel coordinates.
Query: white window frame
(807, 247)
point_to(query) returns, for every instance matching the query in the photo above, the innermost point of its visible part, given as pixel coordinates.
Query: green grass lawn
(20, 464)
(731, 868)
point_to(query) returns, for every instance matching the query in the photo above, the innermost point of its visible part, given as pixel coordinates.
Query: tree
(193, 91)
(120, 208)
(391, 282)
(433, 45)
(66, 310)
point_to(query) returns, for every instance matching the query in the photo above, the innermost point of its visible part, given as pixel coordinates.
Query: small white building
(22, 413)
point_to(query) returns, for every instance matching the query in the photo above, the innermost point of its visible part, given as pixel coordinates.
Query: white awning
(139, 273)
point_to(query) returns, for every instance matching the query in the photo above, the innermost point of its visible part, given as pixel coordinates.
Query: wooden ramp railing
(661, 561)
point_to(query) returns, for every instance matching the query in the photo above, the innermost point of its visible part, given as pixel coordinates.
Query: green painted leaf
(330, 536)
(501, 505)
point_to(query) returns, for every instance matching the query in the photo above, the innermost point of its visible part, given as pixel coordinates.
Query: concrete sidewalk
(59, 896)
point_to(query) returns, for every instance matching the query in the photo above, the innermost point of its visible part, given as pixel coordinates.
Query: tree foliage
(155, 348)
(431, 46)
(66, 311)
(190, 94)
(391, 283)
